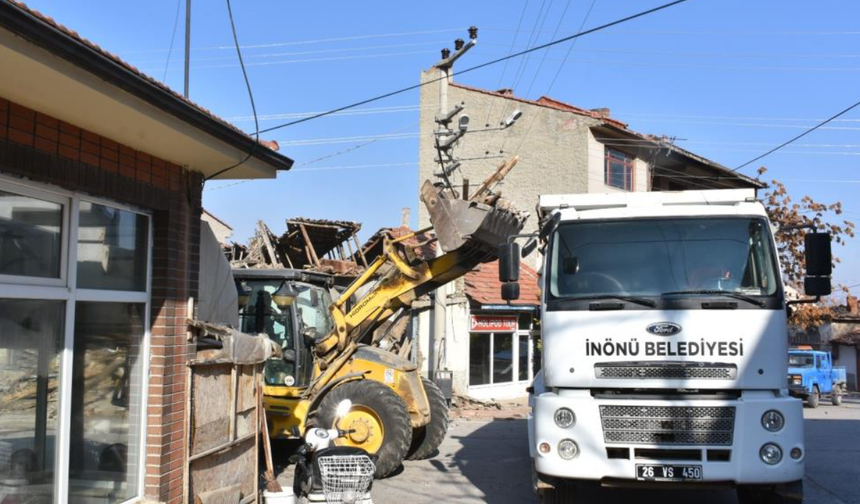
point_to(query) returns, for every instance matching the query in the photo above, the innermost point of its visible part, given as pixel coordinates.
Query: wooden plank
(309, 247)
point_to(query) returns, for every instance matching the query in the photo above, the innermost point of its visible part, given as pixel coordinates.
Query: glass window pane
(112, 248)
(31, 335)
(503, 357)
(523, 357)
(479, 359)
(30, 236)
(106, 402)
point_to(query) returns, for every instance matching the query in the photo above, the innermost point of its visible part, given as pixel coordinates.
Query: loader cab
(290, 307)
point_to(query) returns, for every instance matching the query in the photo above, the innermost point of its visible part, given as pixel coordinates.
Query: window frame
(515, 353)
(65, 289)
(629, 168)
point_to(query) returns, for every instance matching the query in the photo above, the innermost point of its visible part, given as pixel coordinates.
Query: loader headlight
(772, 420)
(771, 454)
(564, 418)
(568, 449)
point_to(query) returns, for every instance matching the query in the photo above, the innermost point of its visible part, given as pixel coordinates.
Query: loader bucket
(460, 223)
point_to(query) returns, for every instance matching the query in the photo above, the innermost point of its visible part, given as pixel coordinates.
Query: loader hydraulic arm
(468, 231)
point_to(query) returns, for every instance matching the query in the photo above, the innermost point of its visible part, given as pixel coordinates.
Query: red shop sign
(493, 323)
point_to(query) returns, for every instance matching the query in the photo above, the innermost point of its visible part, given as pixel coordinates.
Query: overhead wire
(172, 40)
(482, 65)
(250, 97)
(798, 137)
(560, 67)
(505, 68)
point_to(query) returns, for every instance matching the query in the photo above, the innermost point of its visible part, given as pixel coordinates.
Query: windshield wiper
(630, 299)
(735, 295)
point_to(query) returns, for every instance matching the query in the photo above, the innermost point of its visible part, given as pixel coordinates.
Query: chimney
(601, 112)
(405, 215)
(505, 91)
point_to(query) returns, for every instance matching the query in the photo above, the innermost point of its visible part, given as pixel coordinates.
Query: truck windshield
(657, 257)
(801, 360)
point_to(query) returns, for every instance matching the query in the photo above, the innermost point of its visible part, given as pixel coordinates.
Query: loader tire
(426, 439)
(379, 415)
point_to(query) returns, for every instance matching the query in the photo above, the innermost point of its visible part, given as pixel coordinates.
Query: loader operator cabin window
(74, 309)
(619, 170)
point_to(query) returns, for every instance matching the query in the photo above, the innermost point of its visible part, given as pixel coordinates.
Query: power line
(318, 51)
(336, 140)
(505, 68)
(482, 65)
(560, 67)
(313, 41)
(322, 158)
(356, 112)
(172, 39)
(798, 137)
(250, 97)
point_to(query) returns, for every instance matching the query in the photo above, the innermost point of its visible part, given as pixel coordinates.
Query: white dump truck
(664, 333)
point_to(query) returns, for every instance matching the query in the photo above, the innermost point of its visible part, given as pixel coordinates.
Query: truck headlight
(568, 449)
(564, 418)
(772, 420)
(770, 454)
(795, 380)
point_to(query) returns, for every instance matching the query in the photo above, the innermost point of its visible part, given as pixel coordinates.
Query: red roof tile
(483, 286)
(546, 101)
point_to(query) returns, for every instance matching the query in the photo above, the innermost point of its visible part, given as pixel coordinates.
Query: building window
(500, 357)
(619, 170)
(74, 309)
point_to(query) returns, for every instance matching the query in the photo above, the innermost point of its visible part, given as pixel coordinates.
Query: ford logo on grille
(663, 329)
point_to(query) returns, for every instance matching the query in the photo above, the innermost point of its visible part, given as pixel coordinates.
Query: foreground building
(486, 345)
(101, 173)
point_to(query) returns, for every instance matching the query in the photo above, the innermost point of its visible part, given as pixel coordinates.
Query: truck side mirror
(509, 262)
(510, 291)
(819, 264)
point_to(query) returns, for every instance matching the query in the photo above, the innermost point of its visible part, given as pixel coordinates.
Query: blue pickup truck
(811, 374)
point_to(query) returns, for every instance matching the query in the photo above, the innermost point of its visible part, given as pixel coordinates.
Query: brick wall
(45, 149)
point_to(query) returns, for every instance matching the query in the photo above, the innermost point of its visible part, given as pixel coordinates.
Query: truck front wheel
(792, 493)
(836, 397)
(814, 398)
(563, 492)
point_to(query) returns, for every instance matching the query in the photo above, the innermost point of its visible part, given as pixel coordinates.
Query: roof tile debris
(483, 285)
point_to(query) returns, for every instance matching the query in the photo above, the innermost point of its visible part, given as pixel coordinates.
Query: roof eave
(50, 38)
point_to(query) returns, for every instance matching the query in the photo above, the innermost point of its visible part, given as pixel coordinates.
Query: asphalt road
(488, 462)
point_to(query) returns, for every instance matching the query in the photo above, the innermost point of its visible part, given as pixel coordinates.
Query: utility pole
(187, 42)
(443, 130)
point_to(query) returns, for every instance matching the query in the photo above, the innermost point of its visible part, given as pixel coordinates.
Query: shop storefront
(501, 354)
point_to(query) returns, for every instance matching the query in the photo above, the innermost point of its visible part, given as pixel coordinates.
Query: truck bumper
(735, 462)
(800, 392)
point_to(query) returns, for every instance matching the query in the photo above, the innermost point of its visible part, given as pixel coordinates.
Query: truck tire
(814, 398)
(425, 440)
(378, 413)
(758, 495)
(836, 397)
(563, 492)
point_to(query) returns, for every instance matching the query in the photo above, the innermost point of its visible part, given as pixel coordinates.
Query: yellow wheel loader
(335, 350)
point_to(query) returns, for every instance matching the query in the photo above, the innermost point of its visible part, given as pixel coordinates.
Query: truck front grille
(665, 370)
(668, 425)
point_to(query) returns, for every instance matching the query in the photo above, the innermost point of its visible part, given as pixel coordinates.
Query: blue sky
(728, 78)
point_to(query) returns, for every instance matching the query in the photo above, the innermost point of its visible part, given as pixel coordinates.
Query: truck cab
(664, 329)
(811, 374)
